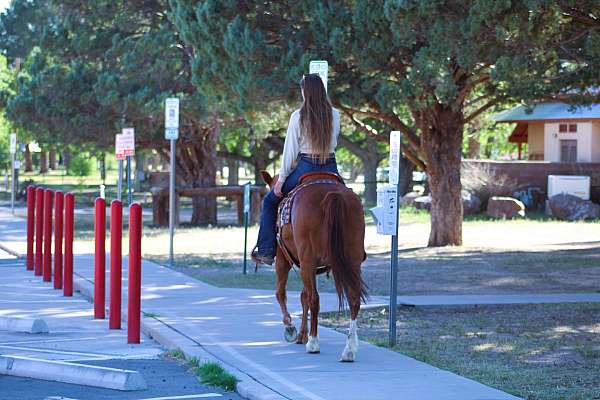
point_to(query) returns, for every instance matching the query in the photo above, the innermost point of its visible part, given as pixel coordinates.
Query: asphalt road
(165, 378)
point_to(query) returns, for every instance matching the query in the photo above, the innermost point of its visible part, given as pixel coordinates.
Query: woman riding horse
(310, 143)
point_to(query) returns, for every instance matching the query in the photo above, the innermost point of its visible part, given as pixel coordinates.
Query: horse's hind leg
(282, 269)
(349, 353)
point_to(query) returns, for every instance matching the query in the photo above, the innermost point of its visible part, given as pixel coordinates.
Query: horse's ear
(266, 177)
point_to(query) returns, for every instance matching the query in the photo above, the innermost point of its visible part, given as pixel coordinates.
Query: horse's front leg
(303, 336)
(282, 269)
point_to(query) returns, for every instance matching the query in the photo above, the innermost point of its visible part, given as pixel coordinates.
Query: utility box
(385, 212)
(575, 185)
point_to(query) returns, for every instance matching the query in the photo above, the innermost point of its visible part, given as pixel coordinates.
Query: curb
(172, 339)
(27, 325)
(80, 374)
(12, 252)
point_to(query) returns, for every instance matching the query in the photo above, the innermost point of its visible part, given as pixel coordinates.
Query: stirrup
(260, 259)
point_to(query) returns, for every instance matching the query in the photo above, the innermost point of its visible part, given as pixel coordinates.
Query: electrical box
(386, 210)
(575, 185)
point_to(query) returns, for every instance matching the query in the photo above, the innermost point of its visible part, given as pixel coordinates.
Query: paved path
(74, 336)
(242, 329)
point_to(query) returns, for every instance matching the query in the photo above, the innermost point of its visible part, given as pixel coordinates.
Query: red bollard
(58, 237)
(116, 268)
(30, 225)
(100, 259)
(39, 229)
(48, 197)
(134, 265)
(69, 220)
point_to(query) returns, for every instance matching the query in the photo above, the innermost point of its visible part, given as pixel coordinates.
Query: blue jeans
(267, 233)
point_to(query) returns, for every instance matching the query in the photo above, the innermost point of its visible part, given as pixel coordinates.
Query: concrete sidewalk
(242, 329)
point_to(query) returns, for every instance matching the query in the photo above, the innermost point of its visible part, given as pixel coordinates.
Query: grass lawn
(537, 352)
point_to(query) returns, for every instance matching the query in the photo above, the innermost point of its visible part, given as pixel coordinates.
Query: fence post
(116, 268)
(100, 259)
(48, 197)
(39, 230)
(30, 225)
(58, 238)
(134, 291)
(69, 220)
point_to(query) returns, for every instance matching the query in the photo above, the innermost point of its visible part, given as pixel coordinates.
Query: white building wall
(552, 138)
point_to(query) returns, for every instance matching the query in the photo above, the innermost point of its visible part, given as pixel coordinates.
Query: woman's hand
(277, 188)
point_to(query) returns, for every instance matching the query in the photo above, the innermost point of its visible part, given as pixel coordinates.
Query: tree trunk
(43, 162)
(66, 158)
(139, 170)
(197, 164)
(52, 158)
(474, 148)
(406, 172)
(370, 175)
(28, 159)
(233, 175)
(442, 142)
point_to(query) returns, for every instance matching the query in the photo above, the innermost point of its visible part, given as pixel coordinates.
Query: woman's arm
(291, 146)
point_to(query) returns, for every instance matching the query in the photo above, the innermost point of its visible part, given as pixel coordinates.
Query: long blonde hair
(316, 116)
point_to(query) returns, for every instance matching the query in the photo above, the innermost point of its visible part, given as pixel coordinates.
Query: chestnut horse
(326, 233)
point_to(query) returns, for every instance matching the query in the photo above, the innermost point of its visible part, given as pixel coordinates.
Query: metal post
(120, 181)
(58, 239)
(68, 261)
(30, 225)
(245, 240)
(129, 195)
(99, 258)
(172, 203)
(134, 267)
(394, 276)
(12, 183)
(47, 267)
(116, 268)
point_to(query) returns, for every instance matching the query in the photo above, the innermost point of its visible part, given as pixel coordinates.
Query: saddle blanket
(285, 207)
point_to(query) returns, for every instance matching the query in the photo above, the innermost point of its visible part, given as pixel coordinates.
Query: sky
(4, 5)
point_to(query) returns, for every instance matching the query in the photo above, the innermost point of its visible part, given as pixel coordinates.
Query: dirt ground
(536, 352)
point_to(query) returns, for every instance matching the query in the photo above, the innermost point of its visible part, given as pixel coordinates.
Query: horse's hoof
(290, 334)
(347, 356)
(312, 346)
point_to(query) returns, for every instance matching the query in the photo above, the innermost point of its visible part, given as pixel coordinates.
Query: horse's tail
(345, 275)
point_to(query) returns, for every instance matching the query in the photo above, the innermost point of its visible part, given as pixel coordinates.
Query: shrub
(478, 178)
(80, 165)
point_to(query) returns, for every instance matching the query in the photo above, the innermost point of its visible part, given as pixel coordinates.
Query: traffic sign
(321, 68)
(13, 143)
(17, 164)
(119, 148)
(171, 133)
(128, 141)
(394, 157)
(172, 113)
(247, 188)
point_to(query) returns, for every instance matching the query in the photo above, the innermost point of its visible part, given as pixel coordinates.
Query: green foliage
(80, 165)
(213, 374)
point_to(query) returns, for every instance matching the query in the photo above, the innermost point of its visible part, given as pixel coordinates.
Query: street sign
(247, 197)
(119, 147)
(385, 212)
(128, 141)
(394, 157)
(13, 143)
(172, 113)
(321, 68)
(17, 164)
(171, 133)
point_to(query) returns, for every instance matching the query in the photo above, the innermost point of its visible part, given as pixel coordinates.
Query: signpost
(247, 189)
(127, 137)
(321, 68)
(172, 134)
(387, 214)
(120, 155)
(13, 151)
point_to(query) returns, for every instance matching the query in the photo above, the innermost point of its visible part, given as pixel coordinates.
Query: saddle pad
(285, 207)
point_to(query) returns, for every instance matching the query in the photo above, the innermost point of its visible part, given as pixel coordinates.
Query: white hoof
(348, 355)
(312, 346)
